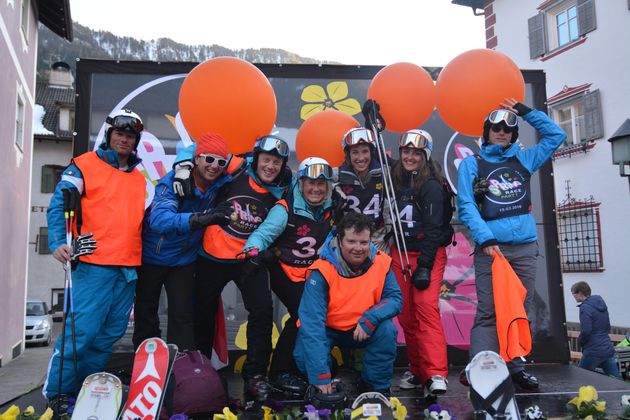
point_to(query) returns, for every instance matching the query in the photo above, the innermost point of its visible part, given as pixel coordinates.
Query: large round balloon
(473, 84)
(321, 136)
(229, 96)
(406, 94)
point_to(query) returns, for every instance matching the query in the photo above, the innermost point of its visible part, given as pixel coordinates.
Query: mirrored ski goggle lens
(126, 123)
(318, 170)
(415, 140)
(355, 137)
(504, 116)
(272, 144)
(211, 159)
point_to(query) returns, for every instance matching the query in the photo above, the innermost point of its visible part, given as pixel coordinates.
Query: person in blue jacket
(494, 203)
(293, 233)
(171, 238)
(597, 349)
(110, 195)
(349, 299)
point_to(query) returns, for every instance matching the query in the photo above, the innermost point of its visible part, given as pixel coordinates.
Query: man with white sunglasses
(499, 214)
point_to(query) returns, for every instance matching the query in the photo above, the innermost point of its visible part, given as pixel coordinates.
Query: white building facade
(584, 48)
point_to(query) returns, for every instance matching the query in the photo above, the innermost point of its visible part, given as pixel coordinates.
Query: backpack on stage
(195, 388)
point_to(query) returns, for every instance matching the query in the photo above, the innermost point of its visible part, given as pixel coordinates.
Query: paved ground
(27, 371)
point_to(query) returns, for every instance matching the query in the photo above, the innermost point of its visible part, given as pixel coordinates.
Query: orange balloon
(321, 136)
(231, 97)
(406, 94)
(473, 84)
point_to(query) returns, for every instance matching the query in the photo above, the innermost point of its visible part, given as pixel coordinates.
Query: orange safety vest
(513, 330)
(112, 208)
(350, 297)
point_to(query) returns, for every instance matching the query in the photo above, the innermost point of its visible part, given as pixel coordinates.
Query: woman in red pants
(423, 206)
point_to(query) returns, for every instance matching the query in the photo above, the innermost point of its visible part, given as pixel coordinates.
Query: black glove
(83, 245)
(219, 215)
(421, 278)
(183, 184)
(340, 204)
(480, 188)
(373, 117)
(521, 109)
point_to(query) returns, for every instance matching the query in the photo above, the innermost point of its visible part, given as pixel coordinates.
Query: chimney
(60, 75)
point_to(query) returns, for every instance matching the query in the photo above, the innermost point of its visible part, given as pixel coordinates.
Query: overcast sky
(381, 32)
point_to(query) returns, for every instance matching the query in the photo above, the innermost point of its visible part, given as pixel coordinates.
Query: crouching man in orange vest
(349, 299)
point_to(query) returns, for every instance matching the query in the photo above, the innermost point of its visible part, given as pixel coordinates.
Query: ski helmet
(417, 139)
(315, 168)
(273, 145)
(336, 400)
(501, 118)
(358, 135)
(124, 120)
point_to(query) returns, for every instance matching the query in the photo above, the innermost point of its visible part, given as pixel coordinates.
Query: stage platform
(559, 383)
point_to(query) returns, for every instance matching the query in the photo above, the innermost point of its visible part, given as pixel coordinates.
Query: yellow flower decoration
(47, 414)
(587, 393)
(268, 413)
(400, 411)
(227, 415)
(600, 406)
(11, 413)
(334, 97)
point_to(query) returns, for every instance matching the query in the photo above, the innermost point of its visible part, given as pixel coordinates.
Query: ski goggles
(317, 171)
(505, 116)
(125, 123)
(357, 136)
(272, 144)
(211, 159)
(415, 140)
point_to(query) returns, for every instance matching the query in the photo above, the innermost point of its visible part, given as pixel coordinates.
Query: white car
(38, 323)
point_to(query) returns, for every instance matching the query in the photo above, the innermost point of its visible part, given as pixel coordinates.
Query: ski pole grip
(69, 199)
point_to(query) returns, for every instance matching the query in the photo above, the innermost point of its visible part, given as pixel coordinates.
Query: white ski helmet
(124, 120)
(315, 168)
(417, 139)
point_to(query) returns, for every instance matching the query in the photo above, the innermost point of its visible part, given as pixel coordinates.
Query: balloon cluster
(234, 98)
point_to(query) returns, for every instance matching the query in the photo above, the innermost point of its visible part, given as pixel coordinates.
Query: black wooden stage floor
(559, 383)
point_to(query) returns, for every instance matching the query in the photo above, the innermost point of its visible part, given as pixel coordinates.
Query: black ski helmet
(500, 117)
(273, 145)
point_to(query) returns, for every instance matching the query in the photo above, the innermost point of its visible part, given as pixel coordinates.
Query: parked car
(38, 323)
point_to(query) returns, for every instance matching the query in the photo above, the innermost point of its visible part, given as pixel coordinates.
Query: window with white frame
(580, 116)
(559, 24)
(19, 122)
(24, 18)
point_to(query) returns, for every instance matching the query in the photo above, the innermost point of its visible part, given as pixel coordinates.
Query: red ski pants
(420, 318)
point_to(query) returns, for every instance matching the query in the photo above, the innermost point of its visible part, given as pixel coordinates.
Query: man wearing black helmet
(110, 192)
(500, 220)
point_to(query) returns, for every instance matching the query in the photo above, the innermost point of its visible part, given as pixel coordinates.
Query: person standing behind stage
(171, 238)
(256, 186)
(502, 222)
(597, 349)
(425, 216)
(111, 193)
(360, 180)
(295, 230)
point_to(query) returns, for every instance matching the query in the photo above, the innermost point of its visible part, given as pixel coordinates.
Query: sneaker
(62, 406)
(463, 379)
(409, 381)
(436, 385)
(291, 384)
(257, 388)
(525, 381)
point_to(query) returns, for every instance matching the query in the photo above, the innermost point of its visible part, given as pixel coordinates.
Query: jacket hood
(596, 302)
(332, 253)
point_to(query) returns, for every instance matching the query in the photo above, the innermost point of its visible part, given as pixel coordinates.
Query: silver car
(38, 323)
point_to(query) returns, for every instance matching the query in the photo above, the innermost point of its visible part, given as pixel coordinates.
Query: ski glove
(521, 109)
(341, 204)
(83, 245)
(421, 278)
(372, 116)
(480, 188)
(219, 215)
(183, 182)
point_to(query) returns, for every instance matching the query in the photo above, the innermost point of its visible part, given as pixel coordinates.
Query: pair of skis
(101, 396)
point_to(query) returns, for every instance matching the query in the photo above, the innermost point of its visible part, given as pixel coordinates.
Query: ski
(99, 398)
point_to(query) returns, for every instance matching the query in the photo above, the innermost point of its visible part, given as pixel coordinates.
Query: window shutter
(593, 116)
(42, 241)
(537, 45)
(587, 21)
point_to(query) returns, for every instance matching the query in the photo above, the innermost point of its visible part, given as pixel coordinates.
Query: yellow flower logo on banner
(334, 97)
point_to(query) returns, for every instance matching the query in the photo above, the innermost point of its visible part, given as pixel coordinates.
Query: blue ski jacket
(512, 230)
(313, 309)
(276, 221)
(73, 179)
(166, 236)
(594, 328)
